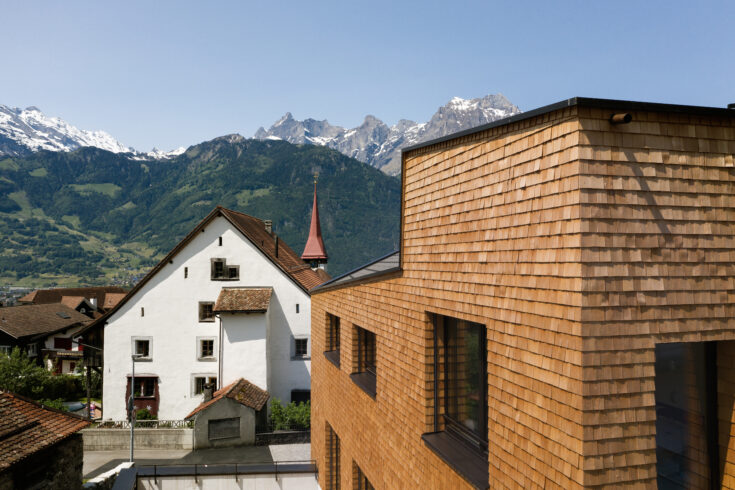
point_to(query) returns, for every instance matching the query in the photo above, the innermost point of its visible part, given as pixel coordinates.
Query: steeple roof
(314, 249)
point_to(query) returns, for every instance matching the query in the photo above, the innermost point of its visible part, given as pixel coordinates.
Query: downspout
(219, 361)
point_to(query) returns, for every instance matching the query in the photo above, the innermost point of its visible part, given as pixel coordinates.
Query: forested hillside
(93, 217)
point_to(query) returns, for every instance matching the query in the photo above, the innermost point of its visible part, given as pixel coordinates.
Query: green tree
(21, 375)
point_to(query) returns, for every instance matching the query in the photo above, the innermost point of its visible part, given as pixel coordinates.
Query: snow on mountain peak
(23, 131)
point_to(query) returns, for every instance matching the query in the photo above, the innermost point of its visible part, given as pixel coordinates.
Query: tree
(21, 375)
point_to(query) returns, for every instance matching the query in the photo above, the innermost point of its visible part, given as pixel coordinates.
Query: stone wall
(58, 466)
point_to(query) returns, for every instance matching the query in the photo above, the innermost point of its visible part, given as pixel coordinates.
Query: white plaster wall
(244, 348)
(171, 305)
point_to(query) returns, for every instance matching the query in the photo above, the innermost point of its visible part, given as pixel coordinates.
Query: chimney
(207, 391)
(268, 226)
(94, 302)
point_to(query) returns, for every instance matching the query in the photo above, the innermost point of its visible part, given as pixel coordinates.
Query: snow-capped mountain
(23, 131)
(379, 145)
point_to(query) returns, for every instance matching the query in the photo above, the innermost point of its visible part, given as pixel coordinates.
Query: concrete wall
(111, 439)
(289, 481)
(171, 320)
(224, 409)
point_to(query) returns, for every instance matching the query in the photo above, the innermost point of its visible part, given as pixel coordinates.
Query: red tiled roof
(26, 320)
(71, 301)
(242, 391)
(27, 427)
(44, 296)
(246, 300)
(285, 258)
(112, 299)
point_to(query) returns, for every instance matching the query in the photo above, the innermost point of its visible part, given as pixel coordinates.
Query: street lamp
(131, 403)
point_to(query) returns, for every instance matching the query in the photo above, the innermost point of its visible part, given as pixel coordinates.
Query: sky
(175, 73)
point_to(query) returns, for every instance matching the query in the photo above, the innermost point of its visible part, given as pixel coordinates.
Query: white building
(259, 331)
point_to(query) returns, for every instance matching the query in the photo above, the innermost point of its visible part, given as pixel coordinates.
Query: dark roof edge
(46, 407)
(328, 284)
(612, 104)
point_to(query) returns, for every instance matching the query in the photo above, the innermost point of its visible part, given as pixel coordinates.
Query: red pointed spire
(314, 249)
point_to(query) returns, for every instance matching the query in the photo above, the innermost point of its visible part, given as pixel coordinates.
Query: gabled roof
(242, 391)
(44, 296)
(27, 427)
(73, 301)
(254, 230)
(243, 300)
(28, 320)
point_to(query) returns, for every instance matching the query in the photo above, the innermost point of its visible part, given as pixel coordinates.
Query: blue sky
(174, 73)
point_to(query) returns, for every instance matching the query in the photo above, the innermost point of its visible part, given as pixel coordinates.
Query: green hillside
(94, 217)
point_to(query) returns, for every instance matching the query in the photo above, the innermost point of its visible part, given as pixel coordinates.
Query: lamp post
(131, 404)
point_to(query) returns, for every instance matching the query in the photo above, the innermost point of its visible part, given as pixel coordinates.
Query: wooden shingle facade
(581, 247)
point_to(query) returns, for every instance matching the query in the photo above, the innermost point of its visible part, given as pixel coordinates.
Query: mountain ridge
(377, 144)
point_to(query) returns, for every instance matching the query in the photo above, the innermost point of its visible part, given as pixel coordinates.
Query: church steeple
(314, 252)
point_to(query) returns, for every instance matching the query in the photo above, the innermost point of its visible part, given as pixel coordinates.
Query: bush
(292, 416)
(22, 375)
(58, 404)
(144, 414)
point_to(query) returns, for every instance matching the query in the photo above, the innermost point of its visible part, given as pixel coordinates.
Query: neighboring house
(561, 312)
(229, 417)
(39, 447)
(44, 331)
(230, 301)
(92, 301)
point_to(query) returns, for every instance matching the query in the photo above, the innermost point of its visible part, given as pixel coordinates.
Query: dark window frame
(301, 348)
(366, 371)
(332, 339)
(198, 387)
(463, 449)
(222, 271)
(203, 305)
(333, 459)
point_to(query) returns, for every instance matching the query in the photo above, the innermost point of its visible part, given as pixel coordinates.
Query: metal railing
(281, 426)
(144, 424)
(235, 469)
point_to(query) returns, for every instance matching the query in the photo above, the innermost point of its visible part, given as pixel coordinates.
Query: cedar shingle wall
(580, 245)
(658, 258)
(492, 235)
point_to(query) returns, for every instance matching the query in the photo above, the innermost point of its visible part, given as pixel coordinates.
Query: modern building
(47, 332)
(230, 301)
(39, 447)
(561, 313)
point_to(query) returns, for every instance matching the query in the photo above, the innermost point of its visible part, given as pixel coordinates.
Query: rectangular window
(142, 311)
(300, 396)
(206, 349)
(201, 381)
(33, 350)
(460, 397)
(142, 348)
(62, 343)
(145, 387)
(333, 457)
(5, 349)
(687, 425)
(332, 339)
(206, 311)
(365, 375)
(361, 481)
(224, 428)
(301, 348)
(223, 272)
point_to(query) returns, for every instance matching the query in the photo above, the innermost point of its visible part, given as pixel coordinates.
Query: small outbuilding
(229, 418)
(40, 447)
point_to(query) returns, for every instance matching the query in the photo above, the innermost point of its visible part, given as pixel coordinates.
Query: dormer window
(221, 271)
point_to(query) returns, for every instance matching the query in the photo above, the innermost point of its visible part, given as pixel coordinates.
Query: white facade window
(221, 271)
(206, 348)
(300, 348)
(198, 381)
(143, 347)
(206, 311)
